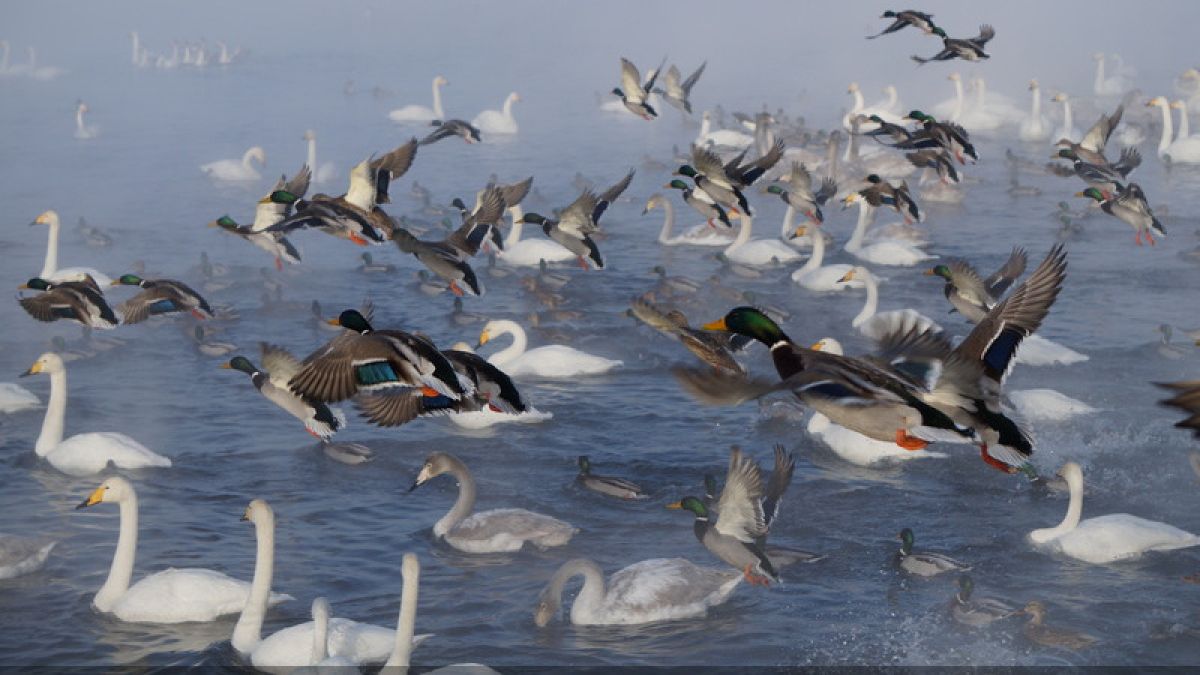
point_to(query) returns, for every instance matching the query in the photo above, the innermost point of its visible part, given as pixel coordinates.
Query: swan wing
(179, 595)
(1121, 536)
(665, 588)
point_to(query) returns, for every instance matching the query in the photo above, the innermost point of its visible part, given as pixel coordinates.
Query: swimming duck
(677, 93)
(449, 128)
(925, 563)
(740, 521)
(1113, 537)
(388, 369)
(1130, 206)
(1051, 636)
(972, 296)
(495, 531)
(206, 345)
(80, 302)
(715, 349)
(969, 49)
(607, 485)
(272, 381)
(160, 296)
(634, 93)
(369, 265)
(977, 611)
(909, 17)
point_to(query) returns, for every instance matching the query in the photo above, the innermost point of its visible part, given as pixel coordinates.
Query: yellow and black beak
(719, 324)
(484, 337)
(334, 321)
(676, 506)
(93, 499)
(227, 365)
(816, 346)
(846, 277)
(33, 370)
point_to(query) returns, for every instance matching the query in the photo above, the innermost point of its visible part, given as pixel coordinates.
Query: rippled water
(343, 529)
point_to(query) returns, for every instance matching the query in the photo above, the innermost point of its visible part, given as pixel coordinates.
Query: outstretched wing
(739, 508)
(610, 195)
(1012, 269)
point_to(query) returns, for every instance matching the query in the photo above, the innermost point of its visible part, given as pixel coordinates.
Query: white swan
(1047, 405)
(756, 252)
(891, 103)
(419, 113)
(1035, 127)
(15, 398)
(169, 596)
(1116, 85)
(852, 446)
(1184, 129)
(722, 138)
(324, 173)
(816, 277)
(998, 105)
(22, 555)
(84, 131)
(860, 108)
(529, 252)
(498, 121)
(1108, 538)
(548, 361)
(874, 324)
(883, 252)
(237, 170)
(1181, 150)
(1068, 129)
(699, 235)
(661, 589)
(50, 269)
(495, 531)
(1036, 350)
(82, 454)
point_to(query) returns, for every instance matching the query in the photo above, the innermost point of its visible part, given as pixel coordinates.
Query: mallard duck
(976, 611)
(1186, 398)
(1105, 177)
(356, 215)
(1130, 206)
(937, 160)
(909, 17)
(800, 196)
(272, 209)
(76, 301)
(395, 374)
(740, 521)
(369, 266)
(678, 93)
(712, 348)
(495, 531)
(1090, 148)
(607, 485)
(160, 296)
(573, 228)
(492, 385)
(480, 223)
(967, 49)
(858, 394)
(925, 563)
(703, 204)
(449, 128)
(1050, 636)
(272, 381)
(443, 259)
(933, 133)
(206, 345)
(972, 296)
(634, 93)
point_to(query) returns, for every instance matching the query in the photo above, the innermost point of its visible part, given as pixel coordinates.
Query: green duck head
(938, 271)
(128, 280)
(677, 185)
(906, 541)
(690, 504)
(750, 322)
(687, 170)
(37, 284)
(240, 363)
(351, 319)
(585, 465)
(1091, 193)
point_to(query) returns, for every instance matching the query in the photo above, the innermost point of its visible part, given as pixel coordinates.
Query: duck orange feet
(909, 442)
(993, 462)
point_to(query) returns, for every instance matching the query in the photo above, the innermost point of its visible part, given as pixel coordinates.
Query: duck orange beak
(719, 324)
(675, 505)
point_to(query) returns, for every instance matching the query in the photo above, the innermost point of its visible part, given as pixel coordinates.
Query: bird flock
(919, 391)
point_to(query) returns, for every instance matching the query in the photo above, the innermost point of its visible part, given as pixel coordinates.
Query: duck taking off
(633, 93)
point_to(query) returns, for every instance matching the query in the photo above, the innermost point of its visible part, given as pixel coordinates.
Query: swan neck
(437, 101)
(872, 303)
(818, 251)
(705, 128)
(507, 110)
(121, 570)
(980, 94)
(79, 118)
(859, 104)
(1167, 129)
(56, 413)
(1183, 132)
(312, 155)
(247, 157)
(664, 237)
(865, 212)
(248, 631)
(463, 504)
(1068, 119)
(958, 101)
(1036, 111)
(406, 624)
(789, 220)
(590, 597)
(514, 235)
(513, 351)
(50, 266)
(743, 233)
(320, 633)
(1098, 85)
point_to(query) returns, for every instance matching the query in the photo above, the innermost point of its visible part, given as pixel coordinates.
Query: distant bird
(607, 485)
(905, 18)
(448, 128)
(84, 131)
(965, 49)
(634, 93)
(234, 170)
(160, 296)
(1187, 399)
(676, 93)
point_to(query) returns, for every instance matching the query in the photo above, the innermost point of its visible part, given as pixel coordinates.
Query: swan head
(440, 81)
(514, 97)
(1157, 100)
(435, 465)
(46, 218)
(547, 607)
(352, 319)
(750, 322)
(257, 153)
(655, 201)
(828, 345)
(857, 272)
(48, 363)
(113, 490)
(852, 88)
(1059, 98)
(259, 512)
(954, 77)
(1098, 56)
(1033, 85)
(310, 135)
(81, 107)
(852, 199)
(1176, 105)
